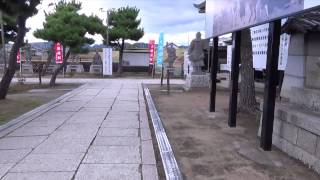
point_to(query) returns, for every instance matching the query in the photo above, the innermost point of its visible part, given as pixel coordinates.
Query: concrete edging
(169, 162)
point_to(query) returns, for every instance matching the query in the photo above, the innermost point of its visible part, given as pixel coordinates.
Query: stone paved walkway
(99, 131)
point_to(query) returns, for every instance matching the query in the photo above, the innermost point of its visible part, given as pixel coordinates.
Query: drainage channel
(169, 162)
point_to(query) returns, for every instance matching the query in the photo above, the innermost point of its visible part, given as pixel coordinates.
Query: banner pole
(20, 63)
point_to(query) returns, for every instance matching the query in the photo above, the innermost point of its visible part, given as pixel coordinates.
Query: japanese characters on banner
(59, 53)
(151, 51)
(160, 49)
(107, 61)
(18, 57)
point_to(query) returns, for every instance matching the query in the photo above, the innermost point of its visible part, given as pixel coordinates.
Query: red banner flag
(59, 53)
(151, 51)
(18, 57)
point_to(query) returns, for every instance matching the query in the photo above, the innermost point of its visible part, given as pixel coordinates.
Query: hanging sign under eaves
(226, 16)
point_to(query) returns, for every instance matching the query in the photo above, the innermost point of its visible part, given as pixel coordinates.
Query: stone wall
(306, 98)
(312, 60)
(297, 133)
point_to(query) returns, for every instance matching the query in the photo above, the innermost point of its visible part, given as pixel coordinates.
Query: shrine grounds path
(97, 131)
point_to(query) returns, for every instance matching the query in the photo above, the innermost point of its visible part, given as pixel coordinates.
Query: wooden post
(168, 81)
(270, 85)
(153, 69)
(236, 42)
(213, 72)
(162, 68)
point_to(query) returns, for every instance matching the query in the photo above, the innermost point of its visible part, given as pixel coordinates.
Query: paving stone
(126, 106)
(126, 103)
(122, 115)
(118, 132)
(144, 123)
(120, 109)
(101, 111)
(120, 123)
(90, 92)
(80, 98)
(127, 98)
(4, 168)
(116, 141)
(130, 117)
(33, 131)
(68, 107)
(145, 134)
(21, 142)
(78, 134)
(114, 172)
(95, 119)
(12, 156)
(79, 127)
(149, 172)
(54, 122)
(99, 105)
(113, 154)
(49, 162)
(49, 115)
(60, 146)
(39, 176)
(148, 153)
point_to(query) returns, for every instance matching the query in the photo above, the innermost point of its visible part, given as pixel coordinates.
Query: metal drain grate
(169, 162)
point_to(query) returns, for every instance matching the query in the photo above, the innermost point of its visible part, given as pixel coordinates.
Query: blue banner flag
(160, 49)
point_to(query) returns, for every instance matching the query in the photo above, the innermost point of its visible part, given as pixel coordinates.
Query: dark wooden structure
(308, 21)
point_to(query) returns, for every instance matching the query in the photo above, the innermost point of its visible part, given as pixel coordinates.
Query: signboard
(225, 16)
(229, 58)
(151, 52)
(19, 57)
(160, 49)
(107, 61)
(259, 36)
(59, 53)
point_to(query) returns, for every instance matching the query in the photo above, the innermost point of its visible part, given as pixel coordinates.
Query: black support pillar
(214, 68)
(236, 42)
(270, 85)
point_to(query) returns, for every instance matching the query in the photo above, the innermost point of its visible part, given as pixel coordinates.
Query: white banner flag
(107, 61)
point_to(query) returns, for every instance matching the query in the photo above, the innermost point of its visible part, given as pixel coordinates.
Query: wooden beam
(270, 85)
(236, 42)
(213, 72)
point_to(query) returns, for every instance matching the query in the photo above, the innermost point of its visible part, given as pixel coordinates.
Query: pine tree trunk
(247, 103)
(40, 73)
(120, 58)
(10, 71)
(57, 71)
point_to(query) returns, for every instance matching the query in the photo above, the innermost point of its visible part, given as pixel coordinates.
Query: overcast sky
(178, 19)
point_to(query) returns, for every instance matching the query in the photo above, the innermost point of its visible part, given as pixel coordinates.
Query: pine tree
(20, 11)
(67, 26)
(123, 24)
